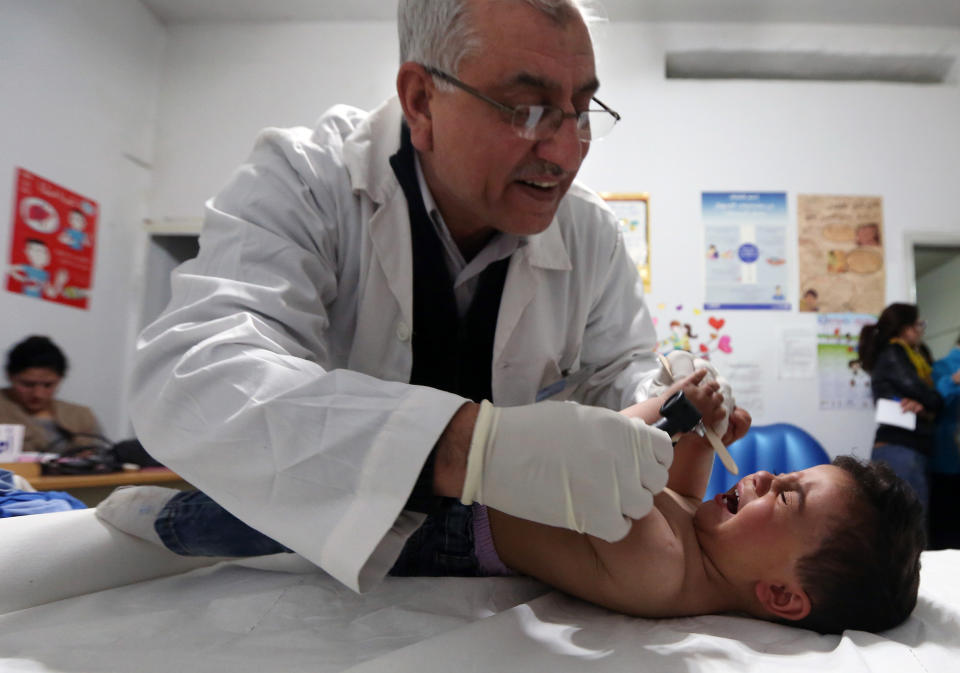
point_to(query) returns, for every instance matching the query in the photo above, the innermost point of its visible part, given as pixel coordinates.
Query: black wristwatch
(679, 416)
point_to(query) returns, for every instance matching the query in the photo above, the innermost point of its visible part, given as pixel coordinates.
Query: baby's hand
(740, 421)
(703, 392)
(682, 364)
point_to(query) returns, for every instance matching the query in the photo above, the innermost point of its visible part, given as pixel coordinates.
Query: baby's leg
(188, 523)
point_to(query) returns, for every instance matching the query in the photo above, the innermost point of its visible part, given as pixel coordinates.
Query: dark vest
(449, 353)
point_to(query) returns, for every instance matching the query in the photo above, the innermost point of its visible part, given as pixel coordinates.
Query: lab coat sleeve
(234, 387)
(619, 338)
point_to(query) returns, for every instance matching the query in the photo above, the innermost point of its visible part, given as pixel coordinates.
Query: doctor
(361, 286)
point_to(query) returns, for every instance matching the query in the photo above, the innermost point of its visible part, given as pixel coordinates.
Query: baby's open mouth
(732, 499)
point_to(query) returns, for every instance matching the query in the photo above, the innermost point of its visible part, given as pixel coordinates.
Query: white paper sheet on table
(560, 634)
(280, 614)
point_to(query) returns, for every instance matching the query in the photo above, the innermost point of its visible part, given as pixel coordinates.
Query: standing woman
(892, 352)
(35, 368)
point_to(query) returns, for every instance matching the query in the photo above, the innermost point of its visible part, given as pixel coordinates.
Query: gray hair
(440, 33)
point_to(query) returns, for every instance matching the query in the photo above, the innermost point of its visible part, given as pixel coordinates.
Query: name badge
(568, 381)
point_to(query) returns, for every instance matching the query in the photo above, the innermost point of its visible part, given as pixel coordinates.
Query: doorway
(937, 292)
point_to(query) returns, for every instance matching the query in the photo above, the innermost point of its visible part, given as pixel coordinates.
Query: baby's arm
(640, 575)
(693, 458)
(692, 455)
(643, 573)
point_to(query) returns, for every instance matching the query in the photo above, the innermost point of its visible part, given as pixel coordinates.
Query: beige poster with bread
(841, 253)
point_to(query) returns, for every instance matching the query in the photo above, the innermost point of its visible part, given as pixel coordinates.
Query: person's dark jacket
(895, 377)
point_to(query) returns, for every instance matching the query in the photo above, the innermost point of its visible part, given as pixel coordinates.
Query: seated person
(35, 369)
(829, 548)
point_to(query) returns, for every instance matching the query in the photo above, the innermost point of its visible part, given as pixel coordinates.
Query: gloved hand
(585, 468)
(680, 364)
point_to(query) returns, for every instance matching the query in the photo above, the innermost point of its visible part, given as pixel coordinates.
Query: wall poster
(633, 213)
(745, 250)
(840, 250)
(53, 242)
(843, 383)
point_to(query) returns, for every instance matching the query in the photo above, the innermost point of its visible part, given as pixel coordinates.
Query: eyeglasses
(541, 122)
(920, 325)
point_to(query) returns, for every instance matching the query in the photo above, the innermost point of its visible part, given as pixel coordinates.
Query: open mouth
(731, 499)
(539, 184)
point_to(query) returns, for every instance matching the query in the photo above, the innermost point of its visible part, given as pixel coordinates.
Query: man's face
(483, 176)
(34, 388)
(759, 529)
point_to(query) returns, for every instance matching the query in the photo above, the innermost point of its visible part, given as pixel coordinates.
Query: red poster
(54, 238)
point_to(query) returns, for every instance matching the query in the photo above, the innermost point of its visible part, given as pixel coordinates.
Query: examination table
(78, 596)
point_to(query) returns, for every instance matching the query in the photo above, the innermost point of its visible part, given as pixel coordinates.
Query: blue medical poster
(745, 250)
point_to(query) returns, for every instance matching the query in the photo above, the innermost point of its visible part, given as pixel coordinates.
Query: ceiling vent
(813, 65)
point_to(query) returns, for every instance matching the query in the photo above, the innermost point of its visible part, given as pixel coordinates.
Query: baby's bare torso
(657, 570)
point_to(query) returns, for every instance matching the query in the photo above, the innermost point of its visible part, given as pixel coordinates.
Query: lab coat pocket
(559, 383)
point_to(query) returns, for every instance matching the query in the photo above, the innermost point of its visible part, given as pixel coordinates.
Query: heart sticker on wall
(717, 323)
(724, 344)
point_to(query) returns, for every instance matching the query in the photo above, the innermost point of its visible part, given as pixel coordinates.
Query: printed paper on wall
(53, 242)
(843, 383)
(633, 215)
(841, 254)
(746, 250)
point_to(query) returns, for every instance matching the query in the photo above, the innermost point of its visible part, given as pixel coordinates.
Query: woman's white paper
(890, 413)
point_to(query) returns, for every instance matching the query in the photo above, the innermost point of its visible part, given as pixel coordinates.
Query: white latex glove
(679, 365)
(585, 468)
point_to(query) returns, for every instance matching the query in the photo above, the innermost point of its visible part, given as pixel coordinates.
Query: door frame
(944, 239)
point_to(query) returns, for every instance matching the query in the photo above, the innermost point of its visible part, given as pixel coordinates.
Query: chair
(780, 447)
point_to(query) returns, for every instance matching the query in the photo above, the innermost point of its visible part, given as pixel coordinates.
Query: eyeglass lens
(539, 122)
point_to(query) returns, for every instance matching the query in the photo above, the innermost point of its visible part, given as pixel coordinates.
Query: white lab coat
(276, 380)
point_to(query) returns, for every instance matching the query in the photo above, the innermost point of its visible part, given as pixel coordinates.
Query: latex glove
(585, 468)
(680, 364)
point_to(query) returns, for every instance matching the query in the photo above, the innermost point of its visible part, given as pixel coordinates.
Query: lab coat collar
(547, 249)
(367, 153)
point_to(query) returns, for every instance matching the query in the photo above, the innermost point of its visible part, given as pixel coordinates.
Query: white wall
(218, 84)
(678, 138)
(897, 141)
(938, 296)
(78, 85)
(223, 83)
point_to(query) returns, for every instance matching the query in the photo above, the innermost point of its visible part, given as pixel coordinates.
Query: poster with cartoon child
(53, 242)
(840, 250)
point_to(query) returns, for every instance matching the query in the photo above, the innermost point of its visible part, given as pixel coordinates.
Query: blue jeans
(191, 524)
(910, 465)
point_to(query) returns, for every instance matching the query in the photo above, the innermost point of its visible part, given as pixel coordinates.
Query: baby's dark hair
(866, 573)
(36, 351)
